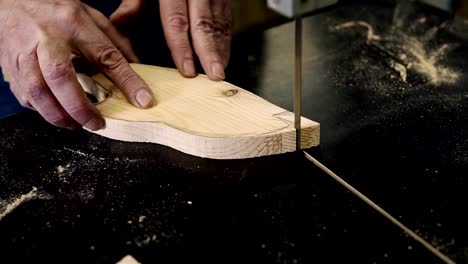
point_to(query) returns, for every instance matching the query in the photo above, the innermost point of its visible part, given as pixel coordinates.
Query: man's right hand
(39, 39)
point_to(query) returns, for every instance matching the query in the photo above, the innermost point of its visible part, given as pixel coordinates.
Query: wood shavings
(421, 20)
(76, 152)
(141, 218)
(370, 31)
(401, 69)
(415, 53)
(128, 260)
(61, 169)
(427, 63)
(33, 194)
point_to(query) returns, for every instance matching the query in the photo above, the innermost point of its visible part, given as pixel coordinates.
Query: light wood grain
(201, 117)
(128, 260)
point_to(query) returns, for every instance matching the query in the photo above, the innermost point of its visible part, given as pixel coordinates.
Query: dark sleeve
(8, 103)
(105, 6)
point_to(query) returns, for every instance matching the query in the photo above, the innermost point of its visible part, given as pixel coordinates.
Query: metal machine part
(298, 81)
(295, 9)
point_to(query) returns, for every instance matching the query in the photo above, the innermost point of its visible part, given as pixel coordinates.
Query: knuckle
(24, 102)
(126, 78)
(35, 91)
(222, 28)
(69, 13)
(127, 81)
(110, 57)
(178, 21)
(204, 25)
(57, 72)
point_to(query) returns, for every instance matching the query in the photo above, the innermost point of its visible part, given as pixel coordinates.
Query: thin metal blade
(298, 80)
(380, 210)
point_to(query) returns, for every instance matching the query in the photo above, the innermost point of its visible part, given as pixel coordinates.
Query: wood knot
(231, 92)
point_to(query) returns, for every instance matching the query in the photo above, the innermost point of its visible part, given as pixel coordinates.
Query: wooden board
(200, 117)
(128, 260)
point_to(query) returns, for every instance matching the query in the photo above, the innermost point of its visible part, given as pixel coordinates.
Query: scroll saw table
(404, 143)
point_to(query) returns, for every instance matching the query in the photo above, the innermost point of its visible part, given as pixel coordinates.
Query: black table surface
(403, 143)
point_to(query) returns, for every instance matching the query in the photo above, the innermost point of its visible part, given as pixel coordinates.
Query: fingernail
(143, 98)
(95, 124)
(218, 70)
(189, 68)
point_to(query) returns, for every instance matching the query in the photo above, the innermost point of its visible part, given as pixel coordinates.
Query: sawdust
(370, 31)
(151, 226)
(421, 20)
(401, 69)
(75, 152)
(10, 207)
(141, 218)
(61, 169)
(437, 242)
(413, 52)
(427, 62)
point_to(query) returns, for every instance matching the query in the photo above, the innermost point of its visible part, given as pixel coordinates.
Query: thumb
(126, 10)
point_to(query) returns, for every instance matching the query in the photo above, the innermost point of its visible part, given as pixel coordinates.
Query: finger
(222, 18)
(204, 42)
(59, 74)
(98, 49)
(37, 94)
(119, 40)
(126, 10)
(175, 21)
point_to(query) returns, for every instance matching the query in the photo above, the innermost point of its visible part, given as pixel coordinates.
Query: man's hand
(207, 23)
(39, 39)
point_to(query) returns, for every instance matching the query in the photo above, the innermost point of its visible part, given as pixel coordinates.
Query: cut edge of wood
(240, 147)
